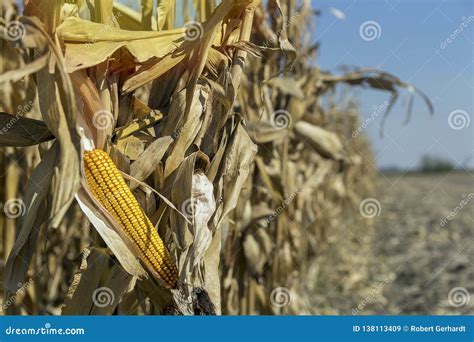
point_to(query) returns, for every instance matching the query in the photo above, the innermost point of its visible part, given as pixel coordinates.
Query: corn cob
(109, 188)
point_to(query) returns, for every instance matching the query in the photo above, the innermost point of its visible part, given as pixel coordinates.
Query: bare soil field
(424, 237)
(419, 247)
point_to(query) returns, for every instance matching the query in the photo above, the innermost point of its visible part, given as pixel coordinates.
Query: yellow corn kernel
(109, 188)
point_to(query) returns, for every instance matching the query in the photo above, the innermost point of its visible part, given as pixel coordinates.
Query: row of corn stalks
(188, 159)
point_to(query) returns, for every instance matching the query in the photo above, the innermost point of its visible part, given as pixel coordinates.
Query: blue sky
(410, 42)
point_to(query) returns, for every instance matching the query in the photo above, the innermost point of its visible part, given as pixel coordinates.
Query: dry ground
(404, 261)
(427, 258)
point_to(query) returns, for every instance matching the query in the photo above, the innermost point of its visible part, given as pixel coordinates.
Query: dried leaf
(30, 222)
(108, 229)
(148, 161)
(20, 131)
(101, 41)
(322, 141)
(98, 285)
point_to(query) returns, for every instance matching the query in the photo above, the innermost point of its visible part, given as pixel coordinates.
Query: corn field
(179, 158)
